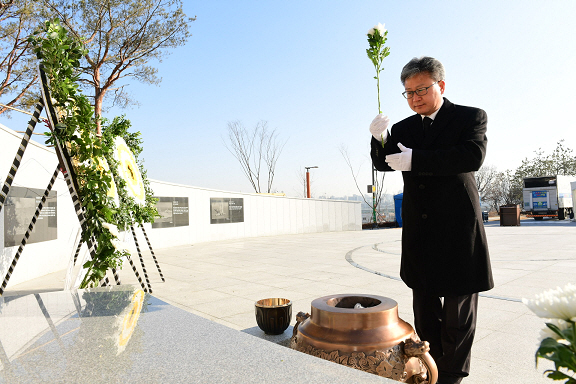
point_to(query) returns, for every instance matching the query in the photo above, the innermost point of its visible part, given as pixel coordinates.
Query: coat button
(421, 186)
(424, 216)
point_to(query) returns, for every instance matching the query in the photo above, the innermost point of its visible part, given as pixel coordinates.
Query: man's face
(430, 102)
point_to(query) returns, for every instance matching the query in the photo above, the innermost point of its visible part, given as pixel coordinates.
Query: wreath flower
(112, 229)
(112, 191)
(129, 171)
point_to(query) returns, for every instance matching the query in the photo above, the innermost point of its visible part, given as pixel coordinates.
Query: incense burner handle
(431, 367)
(420, 350)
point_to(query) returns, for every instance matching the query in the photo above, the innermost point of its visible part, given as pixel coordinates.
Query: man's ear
(442, 85)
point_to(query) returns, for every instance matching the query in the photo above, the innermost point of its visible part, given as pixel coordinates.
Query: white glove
(400, 161)
(378, 127)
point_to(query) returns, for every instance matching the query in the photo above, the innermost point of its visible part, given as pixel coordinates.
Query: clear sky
(302, 66)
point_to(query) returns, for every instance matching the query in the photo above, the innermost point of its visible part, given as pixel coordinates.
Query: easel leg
(137, 275)
(104, 282)
(141, 258)
(77, 251)
(20, 153)
(29, 231)
(116, 277)
(152, 252)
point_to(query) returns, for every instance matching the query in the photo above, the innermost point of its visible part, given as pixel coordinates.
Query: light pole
(308, 180)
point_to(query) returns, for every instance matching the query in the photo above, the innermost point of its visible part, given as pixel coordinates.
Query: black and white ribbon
(152, 252)
(28, 231)
(18, 158)
(137, 275)
(141, 258)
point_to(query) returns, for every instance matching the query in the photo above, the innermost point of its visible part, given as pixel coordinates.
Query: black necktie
(426, 123)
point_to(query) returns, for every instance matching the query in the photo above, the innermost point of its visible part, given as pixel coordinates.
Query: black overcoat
(444, 248)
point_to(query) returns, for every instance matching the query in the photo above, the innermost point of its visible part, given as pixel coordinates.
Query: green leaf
(557, 375)
(555, 329)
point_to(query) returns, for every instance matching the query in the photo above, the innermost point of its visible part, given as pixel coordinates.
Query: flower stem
(378, 89)
(572, 346)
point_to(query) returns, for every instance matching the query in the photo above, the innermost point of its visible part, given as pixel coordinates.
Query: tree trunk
(98, 100)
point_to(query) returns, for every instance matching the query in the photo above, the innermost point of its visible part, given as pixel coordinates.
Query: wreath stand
(64, 166)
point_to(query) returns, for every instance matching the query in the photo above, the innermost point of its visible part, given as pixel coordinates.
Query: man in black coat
(444, 250)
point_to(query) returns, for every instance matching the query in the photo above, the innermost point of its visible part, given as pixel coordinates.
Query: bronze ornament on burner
(364, 332)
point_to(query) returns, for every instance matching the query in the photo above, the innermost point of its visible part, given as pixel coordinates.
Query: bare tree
(379, 183)
(122, 38)
(503, 190)
(484, 177)
(255, 150)
(17, 62)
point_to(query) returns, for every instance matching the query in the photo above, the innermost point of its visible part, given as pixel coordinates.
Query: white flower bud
(112, 228)
(380, 28)
(119, 245)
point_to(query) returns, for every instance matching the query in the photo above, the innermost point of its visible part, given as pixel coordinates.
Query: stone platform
(220, 281)
(121, 335)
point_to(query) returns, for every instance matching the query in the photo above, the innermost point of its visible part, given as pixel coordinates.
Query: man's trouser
(448, 324)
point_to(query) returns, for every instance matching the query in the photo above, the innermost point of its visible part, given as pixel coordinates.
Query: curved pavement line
(375, 247)
(355, 264)
(349, 259)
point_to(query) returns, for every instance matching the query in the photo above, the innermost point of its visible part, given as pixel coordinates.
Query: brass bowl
(273, 315)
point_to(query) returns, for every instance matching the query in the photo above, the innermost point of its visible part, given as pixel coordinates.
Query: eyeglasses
(419, 91)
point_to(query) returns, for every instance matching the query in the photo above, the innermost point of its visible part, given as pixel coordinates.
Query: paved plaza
(221, 281)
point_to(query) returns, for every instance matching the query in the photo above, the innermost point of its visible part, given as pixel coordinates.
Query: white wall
(264, 215)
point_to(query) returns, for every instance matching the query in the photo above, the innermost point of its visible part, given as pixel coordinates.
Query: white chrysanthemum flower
(559, 303)
(119, 245)
(129, 171)
(112, 191)
(379, 27)
(547, 332)
(112, 228)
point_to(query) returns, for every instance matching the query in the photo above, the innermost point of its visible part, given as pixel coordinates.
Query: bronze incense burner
(365, 332)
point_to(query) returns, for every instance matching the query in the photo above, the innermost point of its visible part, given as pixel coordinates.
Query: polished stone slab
(526, 260)
(121, 335)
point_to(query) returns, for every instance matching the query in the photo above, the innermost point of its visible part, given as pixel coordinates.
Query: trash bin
(485, 216)
(398, 208)
(510, 215)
